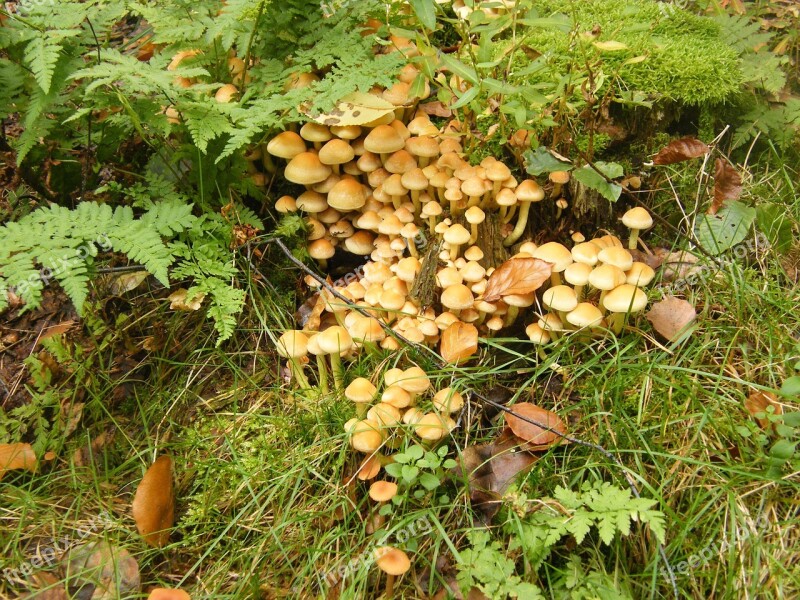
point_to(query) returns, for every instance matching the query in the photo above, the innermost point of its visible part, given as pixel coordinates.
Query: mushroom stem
(519, 228)
(389, 587)
(297, 373)
(579, 292)
(412, 247)
(323, 373)
(336, 369)
(415, 200)
(509, 214)
(615, 322)
(555, 279)
(474, 237)
(633, 239)
(432, 224)
(511, 315)
(454, 251)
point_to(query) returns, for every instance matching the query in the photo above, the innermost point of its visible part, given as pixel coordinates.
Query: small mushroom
(636, 219)
(394, 563)
(362, 392)
(293, 345)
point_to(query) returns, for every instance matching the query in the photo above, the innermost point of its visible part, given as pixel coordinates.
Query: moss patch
(685, 57)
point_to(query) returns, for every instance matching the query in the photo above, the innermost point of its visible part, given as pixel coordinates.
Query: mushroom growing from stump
(528, 191)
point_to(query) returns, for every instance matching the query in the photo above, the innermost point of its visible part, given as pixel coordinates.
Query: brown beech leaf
(47, 587)
(757, 404)
(16, 456)
(459, 342)
(727, 184)
(104, 571)
(436, 109)
(534, 437)
(168, 594)
(154, 503)
(679, 150)
(490, 469)
(670, 316)
(517, 276)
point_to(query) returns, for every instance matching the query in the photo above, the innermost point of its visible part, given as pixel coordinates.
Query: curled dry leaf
(670, 316)
(534, 437)
(47, 586)
(154, 503)
(178, 300)
(459, 342)
(727, 184)
(679, 150)
(168, 594)
(16, 456)
(680, 265)
(356, 109)
(106, 572)
(436, 109)
(490, 469)
(517, 276)
(757, 404)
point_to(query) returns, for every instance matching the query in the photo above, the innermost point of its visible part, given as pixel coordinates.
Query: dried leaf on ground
(459, 342)
(55, 330)
(679, 150)
(517, 276)
(534, 437)
(104, 571)
(727, 184)
(72, 414)
(168, 594)
(679, 265)
(670, 316)
(757, 404)
(126, 282)
(491, 468)
(47, 587)
(436, 109)
(653, 259)
(178, 300)
(84, 456)
(154, 503)
(16, 456)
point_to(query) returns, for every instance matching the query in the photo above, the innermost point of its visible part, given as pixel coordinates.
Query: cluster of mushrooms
(389, 190)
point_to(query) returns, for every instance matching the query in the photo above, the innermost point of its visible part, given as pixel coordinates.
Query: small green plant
(420, 472)
(534, 530)
(486, 566)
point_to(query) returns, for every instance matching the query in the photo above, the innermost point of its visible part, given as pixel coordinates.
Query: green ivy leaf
(589, 177)
(717, 233)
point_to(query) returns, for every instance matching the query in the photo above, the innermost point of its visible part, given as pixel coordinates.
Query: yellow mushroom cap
(536, 334)
(457, 297)
(383, 491)
(335, 339)
(431, 427)
(555, 253)
(414, 380)
(640, 274)
(586, 253)
(396, 396)
(606, 277)
(384, 139)
(448, 400)
(306, 169)
(360, 391)
(392, 561)
(585, 315)
(336, 152)
(637, 218)
(292, 344)
(625, 299)
(619, 257)
(560, 298)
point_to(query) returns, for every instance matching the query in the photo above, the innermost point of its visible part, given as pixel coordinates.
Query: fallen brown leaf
(517, 276)
(154, 503)
(459, 342)
(436, 109)
(532, 436)
(168, 594)
(727, 184)
(85, 455)
(490, 469)
(670, 316)
(48, 587)
(72, 414)
(757, 404)
(55, 331)
(103, 571)
(679, 150)
(679, 265)
(16, 456)
(652, 259)
(178, 300)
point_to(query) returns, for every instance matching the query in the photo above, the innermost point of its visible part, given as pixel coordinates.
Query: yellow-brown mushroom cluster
(384, 418)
